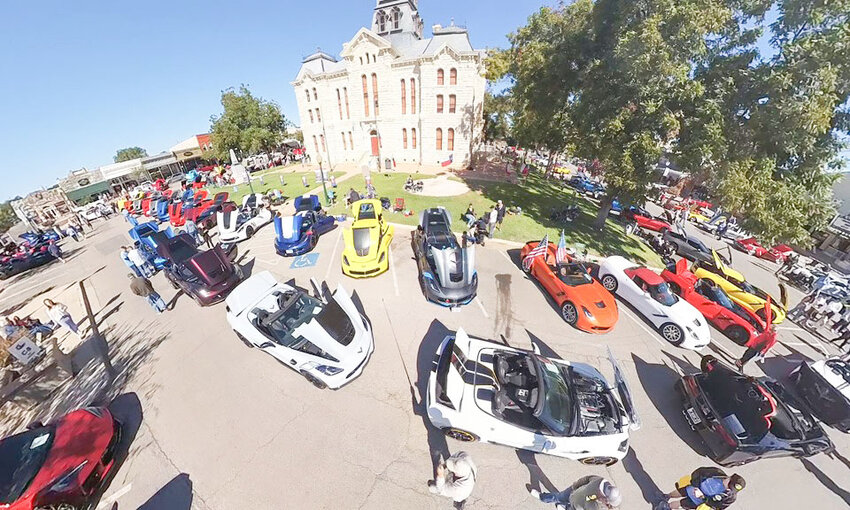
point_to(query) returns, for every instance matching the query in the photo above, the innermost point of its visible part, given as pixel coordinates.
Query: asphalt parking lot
(222, 426)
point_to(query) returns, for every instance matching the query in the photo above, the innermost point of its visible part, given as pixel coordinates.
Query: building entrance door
(375, 143)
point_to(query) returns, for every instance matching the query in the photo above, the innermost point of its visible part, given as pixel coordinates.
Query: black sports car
(688, 247)
(824, 387)
(741, 419)
(446, 271)
(25, 259)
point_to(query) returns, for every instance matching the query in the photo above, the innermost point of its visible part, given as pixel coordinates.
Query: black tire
(245, 341)
(598, 461)
(737, 334)
(672, 333)
(569, 313)
(315, 382)
(521, 264)
(173, 284)
(610, 283)
(249, 231)
(460, 435)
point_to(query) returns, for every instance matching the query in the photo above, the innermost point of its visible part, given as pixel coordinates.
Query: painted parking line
(640, 323)
(481, 306)
(512, 262)
(333, 254)
(789, 328)
(105, 502)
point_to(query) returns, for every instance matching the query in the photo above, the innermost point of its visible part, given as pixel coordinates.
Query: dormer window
(382, 21)
(396, 18)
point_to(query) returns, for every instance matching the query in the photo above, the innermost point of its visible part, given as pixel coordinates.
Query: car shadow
(658, 381)
(425, 363)
(545, 350)
(248, 268)
(651, 492)
(127, 410)
(779, 367)
(826, 481)
(177, 494)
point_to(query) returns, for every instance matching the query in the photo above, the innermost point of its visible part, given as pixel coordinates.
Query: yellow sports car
(367, 242)
(741, 291)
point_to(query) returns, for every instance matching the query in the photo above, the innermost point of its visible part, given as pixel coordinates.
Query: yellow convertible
(367, 242)
(741, 291)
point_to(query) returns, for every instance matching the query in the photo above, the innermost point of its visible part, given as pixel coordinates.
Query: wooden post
(101, 346)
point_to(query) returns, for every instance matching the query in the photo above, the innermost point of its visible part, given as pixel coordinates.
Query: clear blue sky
(83, 79)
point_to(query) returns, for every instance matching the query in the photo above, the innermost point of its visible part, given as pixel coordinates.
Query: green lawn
(292, 186)
(537, 198)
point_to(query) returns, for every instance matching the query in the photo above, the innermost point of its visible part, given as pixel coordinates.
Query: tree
(129, 153)
(249, 124)
(7, 216)
(497, 116)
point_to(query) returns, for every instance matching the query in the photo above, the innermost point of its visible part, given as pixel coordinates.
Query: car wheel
(672, 333)
(737, 334)
(460, 435)
(598, 461)
(315, 382)
(249, 231)
(60, 506)
(522, 265)
(610, 283)
(245, 341)
(569, 313)
(173, 284)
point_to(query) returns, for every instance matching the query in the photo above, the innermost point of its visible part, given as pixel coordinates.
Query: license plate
(692, 416)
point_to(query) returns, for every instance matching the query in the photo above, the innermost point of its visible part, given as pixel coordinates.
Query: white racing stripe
(114, 497)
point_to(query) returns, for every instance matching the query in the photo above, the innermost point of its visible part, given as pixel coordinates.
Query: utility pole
(101, 346)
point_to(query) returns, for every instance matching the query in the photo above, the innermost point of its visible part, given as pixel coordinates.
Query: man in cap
(455, 478)
(587, 493)
(706, 487)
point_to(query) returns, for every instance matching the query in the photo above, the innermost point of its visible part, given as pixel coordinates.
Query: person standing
(125, 256)
(59, 314)
(192, 230)
(491, 221)
(586, 493)
(72, 232)
(455, 479)
(758, 345)
(53, 249)
(138, 258)
(706, 487)
(469, 215)
(500, 214)
(142, 287)
(126, 214)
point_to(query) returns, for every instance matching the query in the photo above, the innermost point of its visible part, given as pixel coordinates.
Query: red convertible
(733, 320)
(645, 220)
(776, 254)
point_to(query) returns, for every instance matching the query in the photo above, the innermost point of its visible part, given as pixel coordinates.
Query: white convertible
(235, 226)
(679, 322)
(481, 390)
(326, 341)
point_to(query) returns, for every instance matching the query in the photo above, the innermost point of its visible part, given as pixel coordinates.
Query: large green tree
(249, 124)
(497, 117)
(129, 153)
(7, 217)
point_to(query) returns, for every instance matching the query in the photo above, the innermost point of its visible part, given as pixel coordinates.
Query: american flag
(561, 252)
(538, 250)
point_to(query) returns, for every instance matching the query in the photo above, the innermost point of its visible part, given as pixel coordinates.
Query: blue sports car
(146, 236)
(296, 235)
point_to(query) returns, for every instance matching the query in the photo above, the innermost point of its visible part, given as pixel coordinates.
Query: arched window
(451, 140)
(315, 144)
(453, 76)
(439, 103)
(404, 138)
(315, 96)
(413, 137)
(322, 138)
(396, 17)
(403, 97)
(440, 76)
(307, 92)
(318, 115)
(361, 61)
(439, 139)
(365, 95)
(344, 145)
(339, 103)
(350, 140)
(452, 103)
(375, 92)
(413, 96)
(347, 112)
(311, 115)
(382, 21)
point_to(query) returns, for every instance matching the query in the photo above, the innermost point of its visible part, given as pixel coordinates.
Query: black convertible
(446, 271)
(742, 419)
(688, 247)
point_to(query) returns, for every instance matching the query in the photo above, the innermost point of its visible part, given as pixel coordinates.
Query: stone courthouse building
(394, 94)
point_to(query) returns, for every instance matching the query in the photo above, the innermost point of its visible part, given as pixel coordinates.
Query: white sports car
(481, 390)
(235, 226)
(679, 322)
(328, 342)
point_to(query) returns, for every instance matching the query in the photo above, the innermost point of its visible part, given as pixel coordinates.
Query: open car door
(622, 388)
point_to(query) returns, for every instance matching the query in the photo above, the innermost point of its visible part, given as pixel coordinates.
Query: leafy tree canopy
(129, 153)
(7, 217)
(249, 124)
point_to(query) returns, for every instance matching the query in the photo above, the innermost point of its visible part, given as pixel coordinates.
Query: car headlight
(429, 278)
(204, 292)
(345, 260)
(328, 370)
(587, 313)
(67, 480)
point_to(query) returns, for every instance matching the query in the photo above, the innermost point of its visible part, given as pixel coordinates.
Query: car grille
(362, 252)
(456, 277)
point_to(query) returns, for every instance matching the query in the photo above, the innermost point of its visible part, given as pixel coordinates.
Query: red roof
(649, 276)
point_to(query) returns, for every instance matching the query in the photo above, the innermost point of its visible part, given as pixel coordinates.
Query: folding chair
(399, 205)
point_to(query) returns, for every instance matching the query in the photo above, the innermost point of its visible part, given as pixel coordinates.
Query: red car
(732, 319)
(584, 302)
(645, 220)
(776, 254)
(60, 465)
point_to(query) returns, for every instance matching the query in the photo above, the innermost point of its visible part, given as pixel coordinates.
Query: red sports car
(645, 220)
(732, 319)
(60, 465)
(583, 301)
(776, 254)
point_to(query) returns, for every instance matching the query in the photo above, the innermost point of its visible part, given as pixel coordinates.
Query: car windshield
(715, 294)
(181, 251)
(662, 294)
(574, 274)
(23, 456)
(296, 308)
(555, 409)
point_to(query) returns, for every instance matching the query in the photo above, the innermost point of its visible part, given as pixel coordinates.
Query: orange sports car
(584, 302)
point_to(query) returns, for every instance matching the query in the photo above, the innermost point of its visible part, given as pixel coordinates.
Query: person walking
(53, 249)
(125, 256)
(126, 214)
(492, 219)
(587, 493)
(758, 345)
(72, 232)
(706, 488)
(469, 215)
(142, 287)
(59, 314)
(500, 214)
(138, 258)
(455, 478)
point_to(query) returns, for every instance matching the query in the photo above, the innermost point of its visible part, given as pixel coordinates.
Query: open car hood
(454, 267)
(211, 266)
(625, 393)
(288, 228)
